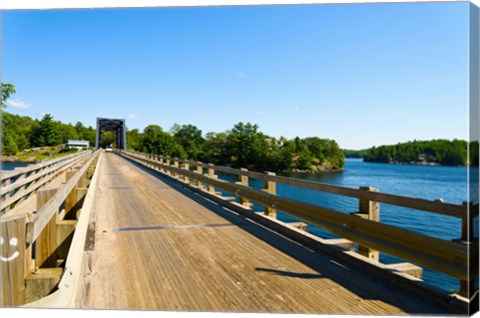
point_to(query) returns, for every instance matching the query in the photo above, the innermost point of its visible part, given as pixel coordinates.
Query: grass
(41, 153)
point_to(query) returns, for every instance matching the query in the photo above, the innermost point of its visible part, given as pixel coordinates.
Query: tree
(242, 144)
(47, 133)
(190, 138)
(156, 141)
(134, 139)
(68, 132)
(7, 90)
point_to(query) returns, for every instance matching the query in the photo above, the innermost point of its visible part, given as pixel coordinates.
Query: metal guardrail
(453, 258)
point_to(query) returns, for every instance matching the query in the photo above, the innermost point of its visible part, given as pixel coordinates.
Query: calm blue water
(426, 182)
(12, 165)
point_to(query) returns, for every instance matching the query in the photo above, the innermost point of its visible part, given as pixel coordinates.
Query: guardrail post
(167, 163)
(72, 197)
(243, 180)
(211, 174)
(270, 187)
(467, 287)
(175, 164)
(199, 171)
(369, 210)
(13, 262)
(160, 161)
(46, 243)
(186, 166)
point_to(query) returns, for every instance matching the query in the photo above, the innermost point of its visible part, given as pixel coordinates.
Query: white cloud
(296, 109)
(258, 112)
(133, 116)
(17, 103)
(241, 75)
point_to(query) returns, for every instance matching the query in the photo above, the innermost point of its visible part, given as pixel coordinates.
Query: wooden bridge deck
(157, 246)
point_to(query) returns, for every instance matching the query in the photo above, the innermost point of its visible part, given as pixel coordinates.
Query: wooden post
(160, 160)
(175, 164)
(186, 166)
(270, 187)
(72, 197)
(167, 163)
(467, 287)
(211, 174)
(243, 180)
(46, 243)
(199, 171)
(369, 210)
(12, 262)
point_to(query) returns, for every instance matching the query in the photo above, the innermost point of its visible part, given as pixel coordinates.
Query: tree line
(242, 146)
(438, 151)
(23, 132)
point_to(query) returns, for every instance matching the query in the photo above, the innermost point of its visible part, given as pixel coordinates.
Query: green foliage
(7, 91)
(439, 151)
(190, 139)
(242, 146)
(354, 153)
(134, 139)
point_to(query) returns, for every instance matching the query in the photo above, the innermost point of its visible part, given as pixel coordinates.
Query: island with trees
(432, 152)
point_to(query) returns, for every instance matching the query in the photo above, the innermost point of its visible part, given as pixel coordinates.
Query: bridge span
(125, 230)
(158, 246)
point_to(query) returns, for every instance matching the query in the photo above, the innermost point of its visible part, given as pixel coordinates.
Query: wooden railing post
(467, 287)
(186, 166)
(13, 262)
(211, 174)
(175, 164)
(270, 187)
(199, 171)
(243, 180)
(167, 162)
(160, 161)
(46, 243)
(369, 210)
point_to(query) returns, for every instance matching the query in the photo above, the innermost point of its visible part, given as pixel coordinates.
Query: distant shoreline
(436, 164)
(17, 160)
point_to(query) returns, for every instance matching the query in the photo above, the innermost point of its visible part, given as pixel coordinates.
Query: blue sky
(362, 74)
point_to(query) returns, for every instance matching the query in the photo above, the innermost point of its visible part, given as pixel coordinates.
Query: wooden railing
(455, 258)
(19, 184)
(35, 244)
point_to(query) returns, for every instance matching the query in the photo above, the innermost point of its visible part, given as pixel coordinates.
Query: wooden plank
(214, 260)
(43, 216)
(39, 166)
(407, 268)
(65, 230)
(36, 184)
(447, 257)
(71, 198)
(46, 243)
(12, 262)
(41, 283)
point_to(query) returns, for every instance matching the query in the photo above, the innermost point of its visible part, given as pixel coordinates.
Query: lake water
(12, 165)
(426, 182)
